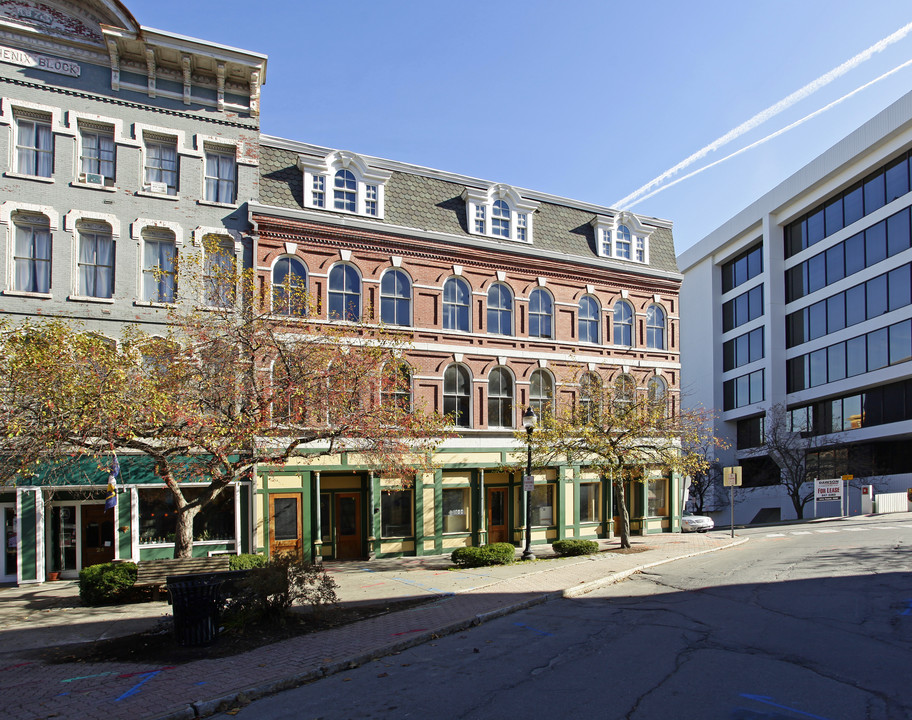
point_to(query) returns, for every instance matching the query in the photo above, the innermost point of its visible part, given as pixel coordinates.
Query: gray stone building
(121, 148)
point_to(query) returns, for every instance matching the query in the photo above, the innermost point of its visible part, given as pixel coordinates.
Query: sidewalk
(50, 614)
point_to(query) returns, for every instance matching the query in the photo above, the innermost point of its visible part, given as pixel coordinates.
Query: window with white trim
(97, 155)
(354, 186)
(32, 253)
(500, 398)
(344, 293)
(160, 164)
(221, 176)
(95, 264)
(588, 319)
(34, 146)
(623, 324)
(541, 392)
(500, 309)
(623, 237)
(457, 388)
(289, 287)
(159, 272)
(456, 296)
(541, 314)
(219, 271)
(499, 212)
(395, 298)
(655, 327)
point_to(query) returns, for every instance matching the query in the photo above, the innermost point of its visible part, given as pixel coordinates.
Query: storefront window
(543, 505)
(325, 519)
(157, 516)
(396, 513)
(456, 510)
(655, 497)
(589, 496)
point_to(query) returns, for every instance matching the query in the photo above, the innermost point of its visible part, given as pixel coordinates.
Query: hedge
(493, 554)
(574, 546)
(107, 583)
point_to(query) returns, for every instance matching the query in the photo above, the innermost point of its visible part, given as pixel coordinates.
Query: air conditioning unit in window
(93, 178)
(157, 187)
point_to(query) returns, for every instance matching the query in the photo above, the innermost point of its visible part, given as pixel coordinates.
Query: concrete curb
(205, 708)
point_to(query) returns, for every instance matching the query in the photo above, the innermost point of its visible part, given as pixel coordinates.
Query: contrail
(771, 136)
(772, 111)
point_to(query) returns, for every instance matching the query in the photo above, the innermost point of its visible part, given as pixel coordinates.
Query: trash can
(195, 601)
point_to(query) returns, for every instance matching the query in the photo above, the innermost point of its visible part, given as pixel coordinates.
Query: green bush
(575, 546)
(493, 554)
(269, 591)
(107, 584)
(246, 561)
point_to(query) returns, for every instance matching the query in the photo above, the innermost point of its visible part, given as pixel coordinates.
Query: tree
(233, 383)
(620, 433)
(708, 474)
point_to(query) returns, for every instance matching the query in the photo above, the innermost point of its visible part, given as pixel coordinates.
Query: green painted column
(560, 500)
(438, 511)
(123, 526)
(29, 537)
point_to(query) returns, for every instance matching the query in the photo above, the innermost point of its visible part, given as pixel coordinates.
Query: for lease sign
(828, 489)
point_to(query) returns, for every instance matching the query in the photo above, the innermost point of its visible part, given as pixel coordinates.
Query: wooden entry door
(285, 524)
(497, 515)
(348, 526)
(97, 535)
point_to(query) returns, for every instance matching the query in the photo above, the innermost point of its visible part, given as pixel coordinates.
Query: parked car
(696, 523)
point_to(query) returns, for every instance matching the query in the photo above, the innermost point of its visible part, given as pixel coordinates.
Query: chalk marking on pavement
(146, 677)
(13, 667)
(535, 630)
(86, 677)
(406, 632)
(908, 610)
(769, 701)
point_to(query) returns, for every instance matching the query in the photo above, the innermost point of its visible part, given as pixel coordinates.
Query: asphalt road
(803, 621)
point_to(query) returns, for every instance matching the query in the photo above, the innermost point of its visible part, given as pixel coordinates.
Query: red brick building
(510, 298)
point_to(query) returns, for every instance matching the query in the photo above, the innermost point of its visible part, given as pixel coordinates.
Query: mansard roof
(432, 201)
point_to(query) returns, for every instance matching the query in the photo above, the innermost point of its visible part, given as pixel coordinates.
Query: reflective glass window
(853, 205)
(898, 237)
(873, 193)
(817, 320)
(876, 243)
(816, 272)
(818, 367)
(897, 179)
(900, 342)
(899, 288)
(836, 367)
(856, 356)
(878, 349)
(876, 296)
(855, 305)
(854, 254)
(835, 264)
(815, 228)
(833, 216)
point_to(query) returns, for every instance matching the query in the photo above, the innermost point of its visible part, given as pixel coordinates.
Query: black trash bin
(195, 601)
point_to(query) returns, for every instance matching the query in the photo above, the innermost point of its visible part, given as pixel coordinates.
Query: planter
(53, 576)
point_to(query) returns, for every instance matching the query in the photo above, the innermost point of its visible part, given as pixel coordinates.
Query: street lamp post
(529, 419)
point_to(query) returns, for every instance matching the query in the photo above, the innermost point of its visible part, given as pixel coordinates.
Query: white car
(696, 523)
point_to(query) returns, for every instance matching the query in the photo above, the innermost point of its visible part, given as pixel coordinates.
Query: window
(657, 394)
(542, 501)
(750, 432)
(500, 219)
(161, 165)
(746, 266)
(344, 293)
(455, 509)
(590, 394)
(288, 396)
(289, 287)
(500, 310)
(656, 496)
(622, 243)
(743, 390)
(541, 392)
(396, 386)
(395, 298)
(219, 272)
(748, 347)
(158, 266)
(34, 147)
(500, 398)
(456, 395)
(221, 177)
(623, 324)
(590, 497)
(95, 267)
(396, 513)
(318, 191)
(624, 391)
(655, 327)
(97, 156)
(742, 309)
(345, 191)
(588, 319)
(32, 254)
(480, 219)
(158, 516)
(456, 296)
(541, 314)
(522, 225)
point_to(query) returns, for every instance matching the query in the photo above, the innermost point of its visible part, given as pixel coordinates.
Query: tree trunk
(183, 532)
(622, 512)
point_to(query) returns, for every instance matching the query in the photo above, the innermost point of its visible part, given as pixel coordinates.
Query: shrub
(269, 591)
(246, 561)
(575, 546)
(493, 554)
(107, 583)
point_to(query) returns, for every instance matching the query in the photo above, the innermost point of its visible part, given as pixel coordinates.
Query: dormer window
(622, 237)
(356, 188)
(499, 212)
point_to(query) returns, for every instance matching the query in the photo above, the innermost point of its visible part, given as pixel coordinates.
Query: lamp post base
(528, 555)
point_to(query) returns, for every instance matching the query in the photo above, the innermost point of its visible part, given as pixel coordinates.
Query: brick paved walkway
(31, 690)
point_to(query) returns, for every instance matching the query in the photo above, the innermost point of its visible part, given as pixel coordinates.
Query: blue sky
(585, 99)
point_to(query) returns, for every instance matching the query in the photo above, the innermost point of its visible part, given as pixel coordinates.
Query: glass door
(11, 544)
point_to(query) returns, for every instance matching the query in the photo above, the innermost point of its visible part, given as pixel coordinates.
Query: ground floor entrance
(8, 562)
(498, 530)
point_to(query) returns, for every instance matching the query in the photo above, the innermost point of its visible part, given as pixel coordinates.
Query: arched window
(345, 191)
(500, 310)
(622, 244)
(344, 293)
(395, 298)
(500, 219)
(456, 296)
(623, 324)
(396, 386)
(588, 319)
(457, 386)
(624, 391)
(500, 398)
(289, 287)
(590, 395)
(541, 392)
(655, 327)
(541, 314)
(656, 394)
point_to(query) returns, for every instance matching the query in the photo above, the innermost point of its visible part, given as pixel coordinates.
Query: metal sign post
(845, 495)
(731, 477)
